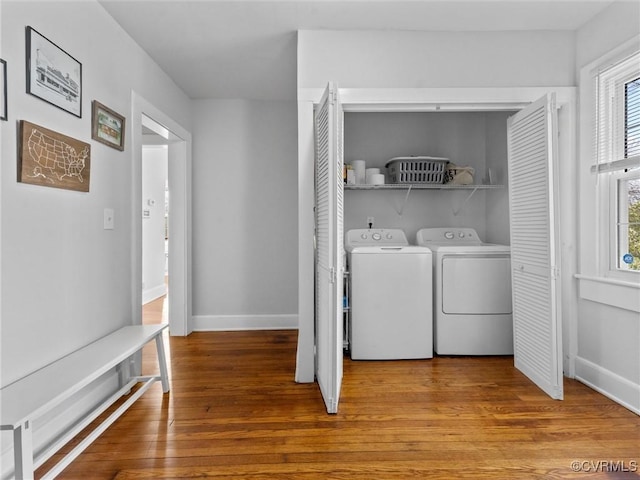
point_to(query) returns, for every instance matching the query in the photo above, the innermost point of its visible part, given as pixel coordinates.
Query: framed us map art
(51, 159)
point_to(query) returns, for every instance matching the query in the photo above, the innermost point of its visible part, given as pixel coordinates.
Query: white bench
(26, 399)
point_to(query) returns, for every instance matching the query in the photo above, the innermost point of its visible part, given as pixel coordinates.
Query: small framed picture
(3, 89)
(52, 74)
(107, 126)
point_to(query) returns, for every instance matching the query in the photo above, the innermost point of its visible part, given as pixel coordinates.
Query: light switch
(109, 221)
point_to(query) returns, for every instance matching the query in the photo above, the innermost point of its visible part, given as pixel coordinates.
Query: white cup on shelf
(359, 167)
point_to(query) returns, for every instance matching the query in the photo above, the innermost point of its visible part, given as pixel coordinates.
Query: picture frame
(52, 74)
(3, 90)
(51, 159)
(107, 126)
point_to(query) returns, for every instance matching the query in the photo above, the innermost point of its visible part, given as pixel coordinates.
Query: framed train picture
(51, 159)
(52, 74)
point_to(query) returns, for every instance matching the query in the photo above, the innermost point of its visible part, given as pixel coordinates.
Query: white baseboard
(150, 294)
(213, 323)
(610, 384)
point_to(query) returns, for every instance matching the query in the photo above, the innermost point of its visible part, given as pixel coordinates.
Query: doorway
(155, 227)
(147, 122)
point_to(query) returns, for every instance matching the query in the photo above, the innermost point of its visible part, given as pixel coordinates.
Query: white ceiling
(247, 49)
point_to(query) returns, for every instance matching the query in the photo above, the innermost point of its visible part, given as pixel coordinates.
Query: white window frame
(597, 282)
(609, 136)
(619, 208)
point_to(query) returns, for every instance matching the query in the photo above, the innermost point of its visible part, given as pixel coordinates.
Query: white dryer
(390, 296)
(472, 293)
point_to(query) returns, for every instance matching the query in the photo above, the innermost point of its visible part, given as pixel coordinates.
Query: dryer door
(476, 285)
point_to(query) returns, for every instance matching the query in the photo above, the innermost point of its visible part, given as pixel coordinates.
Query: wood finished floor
(235, 412)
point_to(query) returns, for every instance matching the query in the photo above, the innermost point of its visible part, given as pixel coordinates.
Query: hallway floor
(235, 412)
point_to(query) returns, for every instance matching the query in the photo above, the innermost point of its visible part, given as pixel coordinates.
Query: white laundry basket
(417, 169)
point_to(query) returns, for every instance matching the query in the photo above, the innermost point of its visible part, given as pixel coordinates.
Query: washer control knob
(363, 236)
(389, 236)
(376, 236)
(448, 235)
(461, 234)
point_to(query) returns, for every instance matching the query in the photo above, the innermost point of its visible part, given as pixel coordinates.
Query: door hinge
(332, 97)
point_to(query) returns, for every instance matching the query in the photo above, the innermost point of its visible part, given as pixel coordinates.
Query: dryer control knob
(448, 235)
(363, 236)
(461, 234)
(376, 236)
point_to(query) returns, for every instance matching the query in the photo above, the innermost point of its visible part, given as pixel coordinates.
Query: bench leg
(162, 362)
(124, 373)
(23, 451)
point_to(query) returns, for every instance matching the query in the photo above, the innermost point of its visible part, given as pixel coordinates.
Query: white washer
(472, 293)
(390, 296)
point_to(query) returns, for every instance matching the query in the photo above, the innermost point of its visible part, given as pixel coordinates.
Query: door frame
(179, 173)
(431, 100)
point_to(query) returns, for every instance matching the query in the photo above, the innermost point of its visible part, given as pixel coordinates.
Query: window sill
(608, 291)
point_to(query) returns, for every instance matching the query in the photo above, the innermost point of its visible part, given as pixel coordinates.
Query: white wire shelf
(422, 186)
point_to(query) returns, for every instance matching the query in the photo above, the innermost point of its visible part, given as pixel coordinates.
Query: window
(628, 187)
(618, 162)
(632, 118)
(628, 251)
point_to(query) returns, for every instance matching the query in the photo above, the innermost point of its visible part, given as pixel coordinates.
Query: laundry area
(469, 175)
(435, 182)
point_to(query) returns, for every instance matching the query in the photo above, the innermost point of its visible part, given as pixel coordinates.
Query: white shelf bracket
(404, 203)
(459, 209)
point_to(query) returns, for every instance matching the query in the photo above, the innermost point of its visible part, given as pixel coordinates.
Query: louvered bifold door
(329, 247)
(532, 140)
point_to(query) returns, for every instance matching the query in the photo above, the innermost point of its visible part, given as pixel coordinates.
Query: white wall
(66, 281)
(395, 59)
(497, 201)
(612, 27)
(608, 337)
(466, 138)
(154, 176)
(244, 214)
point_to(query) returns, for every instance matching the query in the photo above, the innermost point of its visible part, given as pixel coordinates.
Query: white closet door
(532, 142)
(329, 247)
